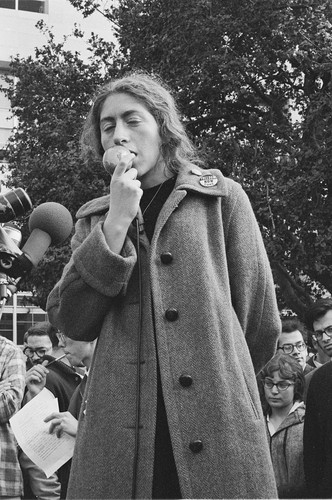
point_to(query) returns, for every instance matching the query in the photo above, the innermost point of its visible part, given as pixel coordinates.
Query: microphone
(50, 224)
(112, 156)
(13, 204)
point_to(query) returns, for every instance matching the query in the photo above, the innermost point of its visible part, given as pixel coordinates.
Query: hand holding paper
(46, 450)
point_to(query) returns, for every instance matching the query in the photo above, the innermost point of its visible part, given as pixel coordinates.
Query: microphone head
(54, 219)
(112, 156)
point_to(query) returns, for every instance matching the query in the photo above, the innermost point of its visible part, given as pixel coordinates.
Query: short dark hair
(316, 311)
(41, 329)
(289, 369)
(289, 325)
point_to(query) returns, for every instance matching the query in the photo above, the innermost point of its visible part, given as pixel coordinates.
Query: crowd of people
(179, 378)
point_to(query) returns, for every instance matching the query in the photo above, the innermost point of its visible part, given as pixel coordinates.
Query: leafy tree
(253, 80)
(50, 99)
(239, 70)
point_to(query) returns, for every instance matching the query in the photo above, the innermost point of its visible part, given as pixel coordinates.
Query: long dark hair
(176, 148)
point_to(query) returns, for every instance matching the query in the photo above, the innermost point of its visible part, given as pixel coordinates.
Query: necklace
(153, 197)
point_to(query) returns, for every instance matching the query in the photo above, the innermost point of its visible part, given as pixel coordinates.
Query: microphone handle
(36, 245)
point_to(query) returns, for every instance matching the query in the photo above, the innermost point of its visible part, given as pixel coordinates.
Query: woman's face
(125, 121)
(275, 397)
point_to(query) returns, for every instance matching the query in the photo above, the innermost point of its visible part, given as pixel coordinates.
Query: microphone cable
(138, 361)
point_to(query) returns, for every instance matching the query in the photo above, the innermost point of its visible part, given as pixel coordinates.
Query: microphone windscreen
(112, 156)
(52, 218)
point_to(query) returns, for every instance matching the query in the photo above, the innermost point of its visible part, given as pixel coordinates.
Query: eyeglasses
(289, 348)
(318, 334)
(283, 385)
(61, 336)
(29, 352)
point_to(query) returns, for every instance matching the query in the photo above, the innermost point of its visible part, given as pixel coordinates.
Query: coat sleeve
(251, 281)
(92, 278)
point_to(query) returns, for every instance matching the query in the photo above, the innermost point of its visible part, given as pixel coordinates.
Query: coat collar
(296, 416)
(190, 178)
(196, 179)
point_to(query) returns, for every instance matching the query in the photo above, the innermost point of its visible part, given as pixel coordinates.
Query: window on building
(32, 5)
(7, 4)
(39, 6)
(6, 120)
(17, 317)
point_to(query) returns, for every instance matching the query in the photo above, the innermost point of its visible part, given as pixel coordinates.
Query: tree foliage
(253, 82)
(253, 79)
(50, 98)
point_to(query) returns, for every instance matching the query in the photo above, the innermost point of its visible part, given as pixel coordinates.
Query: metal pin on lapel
(208, 180)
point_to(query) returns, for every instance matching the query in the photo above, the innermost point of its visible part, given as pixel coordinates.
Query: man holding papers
(44, 371)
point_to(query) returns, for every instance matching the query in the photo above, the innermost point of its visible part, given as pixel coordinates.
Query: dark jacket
(215, 322)
(62, 381)
(74, 408)
(318, 434)
(286, 447)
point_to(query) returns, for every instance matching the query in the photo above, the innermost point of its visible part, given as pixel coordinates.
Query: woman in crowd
(283, 389)
(170, 273)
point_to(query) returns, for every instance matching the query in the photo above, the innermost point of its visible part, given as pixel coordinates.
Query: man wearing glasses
(318, 419)
(291, 342)
(41, 347)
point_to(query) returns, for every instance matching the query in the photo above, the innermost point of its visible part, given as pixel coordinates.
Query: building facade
(18, 315)
(19, 36)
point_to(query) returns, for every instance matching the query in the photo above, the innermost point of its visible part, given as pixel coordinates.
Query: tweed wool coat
(214, 320)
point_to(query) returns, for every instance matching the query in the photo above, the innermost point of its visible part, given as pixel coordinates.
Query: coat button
(196, 446)
(166, 257)
(185, 380)
(171, 314)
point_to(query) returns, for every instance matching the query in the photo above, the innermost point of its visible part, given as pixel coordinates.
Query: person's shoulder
(308, 369)
(323, 372)
(206, 181)
(300, 412)
(308, 375)
(6, 342)
(97, 206)
(7, 346)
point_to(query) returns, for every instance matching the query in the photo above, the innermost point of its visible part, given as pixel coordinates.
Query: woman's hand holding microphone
(125, 191)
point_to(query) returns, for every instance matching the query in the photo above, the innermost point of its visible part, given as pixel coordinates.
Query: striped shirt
(12, 371)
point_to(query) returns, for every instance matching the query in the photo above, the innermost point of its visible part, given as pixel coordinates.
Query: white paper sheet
(32, 434)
